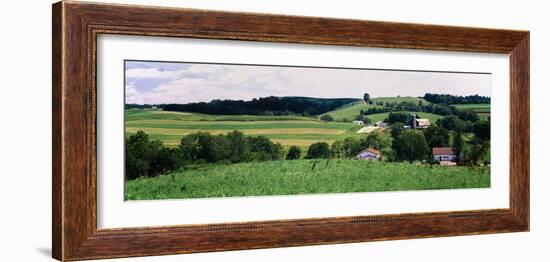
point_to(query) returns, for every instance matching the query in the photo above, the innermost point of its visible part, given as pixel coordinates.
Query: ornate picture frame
(76, 26)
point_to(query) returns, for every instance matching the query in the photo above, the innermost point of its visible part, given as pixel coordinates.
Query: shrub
(294, 152)
(318, 150)
(146, 157)
(327, 118)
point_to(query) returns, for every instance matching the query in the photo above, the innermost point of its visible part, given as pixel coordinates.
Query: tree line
(270, 105)
(149, 157)
(452, 99)
(438, 109)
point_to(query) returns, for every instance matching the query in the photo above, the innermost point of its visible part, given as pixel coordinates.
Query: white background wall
(25, 147)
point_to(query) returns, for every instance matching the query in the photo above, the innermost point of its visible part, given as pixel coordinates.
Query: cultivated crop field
(169, 127)
(303, 177)
(483, 110)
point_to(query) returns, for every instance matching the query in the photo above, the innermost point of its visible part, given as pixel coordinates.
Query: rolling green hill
(349, 111)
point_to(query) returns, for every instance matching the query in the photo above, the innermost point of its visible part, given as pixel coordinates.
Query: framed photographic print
(182, 130)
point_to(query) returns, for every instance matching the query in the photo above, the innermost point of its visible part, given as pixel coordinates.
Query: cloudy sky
(161, 82)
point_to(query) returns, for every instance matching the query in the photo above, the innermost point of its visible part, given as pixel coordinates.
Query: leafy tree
(337, 149)
(318, 150)
(437, 136)
(411, 145)
(396, 129)
(327, 118)
(482, 130)
(366, 98)
(468, 127)
(263, 149)
(220, 149)
(146, 157)
(476, 151)
(394, 117)
(294, 152)
(376, 140)
(164, 159)
(197, 146)
(238, 146)
(467, 115)
(458, 145)
(452, 123)
(351, 147)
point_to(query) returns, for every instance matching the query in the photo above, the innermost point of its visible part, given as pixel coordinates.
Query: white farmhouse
(444, 154)
(359, 122)
(369, 154)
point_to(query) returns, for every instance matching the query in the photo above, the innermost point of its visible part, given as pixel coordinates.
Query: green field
(297, 177)
(483, 110)
(301, 131)
(350, 111)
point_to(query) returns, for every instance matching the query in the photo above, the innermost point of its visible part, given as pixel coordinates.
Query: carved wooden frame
(76, 26)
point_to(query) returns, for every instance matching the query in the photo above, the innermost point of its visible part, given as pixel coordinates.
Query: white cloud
(150, 73)
(204, 82)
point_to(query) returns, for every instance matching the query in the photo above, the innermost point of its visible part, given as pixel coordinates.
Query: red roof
(443, 151)
(374, 151)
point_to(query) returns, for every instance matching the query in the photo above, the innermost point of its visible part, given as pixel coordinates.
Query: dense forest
(270, 105)
(451, 99)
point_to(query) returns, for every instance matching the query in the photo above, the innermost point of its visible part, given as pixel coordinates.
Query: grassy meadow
(303, 177)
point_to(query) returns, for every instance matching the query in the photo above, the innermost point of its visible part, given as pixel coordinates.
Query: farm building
(366, 129)
(359, 122)
(444, 154)
(380, 124)
(369, 154)
(420, 122)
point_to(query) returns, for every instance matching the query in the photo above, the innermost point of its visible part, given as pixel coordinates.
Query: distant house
(369, 154)
(420, 122)
(359, 122)
(444, 155)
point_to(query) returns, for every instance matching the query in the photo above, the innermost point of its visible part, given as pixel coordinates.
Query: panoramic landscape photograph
(207, 130)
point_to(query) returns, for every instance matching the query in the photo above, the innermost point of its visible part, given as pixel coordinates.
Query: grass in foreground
(297, 177)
